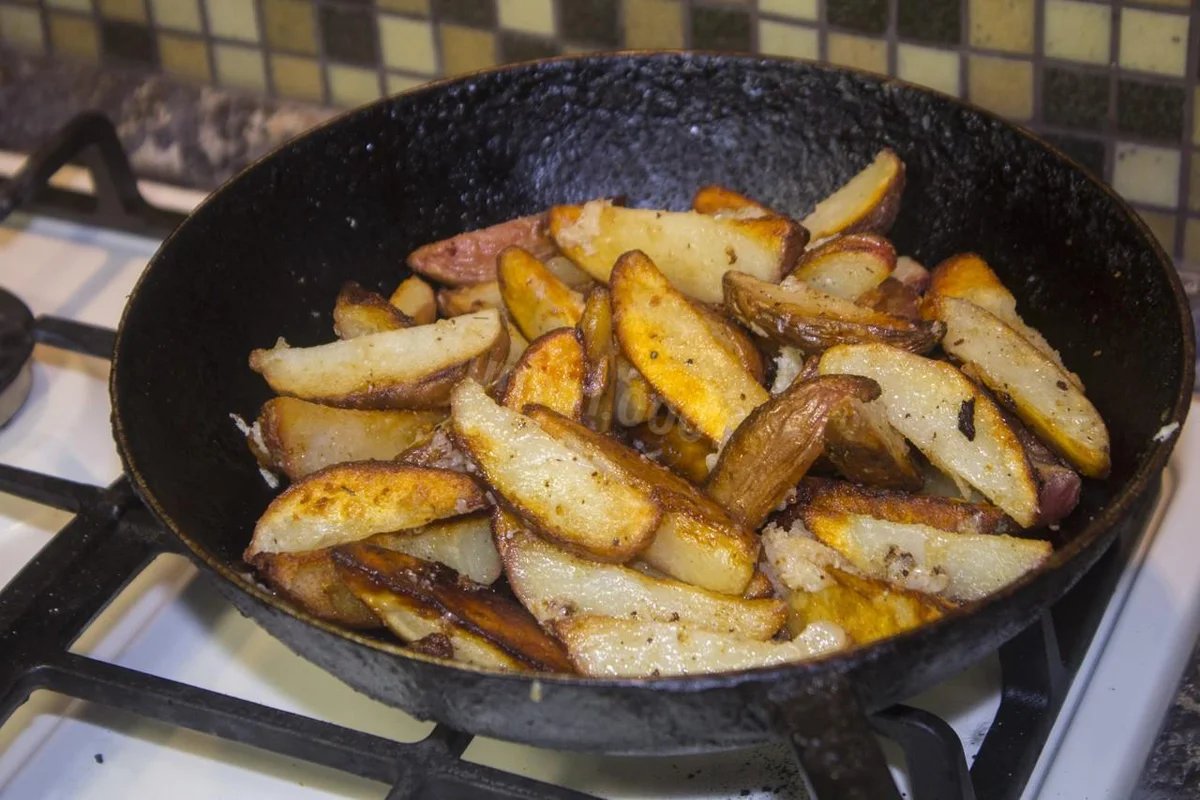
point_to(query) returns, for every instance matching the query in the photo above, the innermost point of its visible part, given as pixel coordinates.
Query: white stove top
(171, 623)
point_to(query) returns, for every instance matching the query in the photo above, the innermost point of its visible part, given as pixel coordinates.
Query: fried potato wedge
(595, 331)
(720, 201)
(671, 443)
(846, 266)
(865, 608)
(471, 257)
(957, 566)
(1059, 486)
(348, 502)
(553, 584)
(359, 312)
(310, 581)
(412, 368)
(464, 544)
(1028, 381)
(297, 438)
(415, 298)
(912, 273)
(867, 203)
(696, 541)
(957, 427)
(796, 314)
(564, 495)
(759, 587)
(633, 648)
(417, 598)
(634, 400)
(672, 345)
(551, 373)
(469, 299)
(565, 270)
(864, 447)
(692, 250)
(893, 297)
(736, 341)
(537, 301)
(770, 452)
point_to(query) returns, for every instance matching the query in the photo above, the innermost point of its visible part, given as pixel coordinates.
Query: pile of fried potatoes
(630, 442)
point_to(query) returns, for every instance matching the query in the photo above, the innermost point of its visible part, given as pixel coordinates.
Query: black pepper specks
(966, 419)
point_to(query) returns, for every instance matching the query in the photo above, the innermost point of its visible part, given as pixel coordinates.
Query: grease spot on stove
(99, 757)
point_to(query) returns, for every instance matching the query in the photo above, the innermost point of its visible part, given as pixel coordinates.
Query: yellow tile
(240, 67)
(71, 5)
(296, 77)
(1191, 241)
(531, 16)
(857, 51)
(408, 44)
(406, 6)
(1002, 25)
(183, 15)
(1162, 226)
(232, 19)
(184, 56)
(22, 28)
(466, 49)
(1078, 31)
(290, 25)
(1002, 85)
(1146, 174)
(928, 66)
(402, 83)
(653, 24)
(797, 9)
(127, 10)
(1170, 3)
(781, 39)
(74, 36)
(1153, 41)
(353, 86)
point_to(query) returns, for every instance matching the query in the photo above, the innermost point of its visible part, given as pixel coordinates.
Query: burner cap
(16, 347)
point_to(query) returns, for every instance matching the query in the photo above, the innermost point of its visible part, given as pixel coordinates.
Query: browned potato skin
(894, 297)
(734, 339)
(471, 257)
(773, 448)
(859, 452)
(595, 331)
(310, 581)
(674, 447)
(359, 312)
(1058, 484)
(466, 299)
(536, 300)
(717, 201)
(865, 608)
(870, 244)
(874, 213)
(912, 274)
(415, 298)
(759, 588)
(550, 373)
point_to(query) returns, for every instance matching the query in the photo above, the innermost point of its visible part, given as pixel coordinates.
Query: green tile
(128, 41)
(594, 21)
(476, 13)
(721, 29)
(930, 20)
(868, 16)
(514, 46)
(1074, 98)
(1151, 110)
(348, 34)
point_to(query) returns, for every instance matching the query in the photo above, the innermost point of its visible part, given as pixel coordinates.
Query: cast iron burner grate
(113, 537)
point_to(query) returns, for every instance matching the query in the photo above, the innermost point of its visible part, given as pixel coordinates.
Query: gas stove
(169, 688)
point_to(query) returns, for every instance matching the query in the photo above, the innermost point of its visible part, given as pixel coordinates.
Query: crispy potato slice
(769, 453)
(348, 502)
(464, 544)
(634, 400)
(867, 203)
(629, 648)
(595, 331)
(551, 373)
(359, 312)
(846, 266)
(469, 299)
(417, 598)
(865, 608)
(692, 250)
(669, 342)
(415, 298)
(734, 339)
(566, 496)
(296, 437)
(670, 442)
(796, 314)
(537, 301)
(1027, 380)
(411, 368)
(864, 447)
(696, 542)
(949, 419)
(471, 257)
(310, 581)
(553, 584)
(893, 297)
(722, 202)
(957, 566)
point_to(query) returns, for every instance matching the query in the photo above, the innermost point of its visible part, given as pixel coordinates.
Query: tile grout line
(1186, 153)
(260, 18)
(1037, 63)
(1110, 118)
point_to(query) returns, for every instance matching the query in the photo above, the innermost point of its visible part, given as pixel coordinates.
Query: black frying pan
(267, 253)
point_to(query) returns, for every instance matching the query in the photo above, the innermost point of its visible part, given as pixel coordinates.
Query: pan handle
(839, 756)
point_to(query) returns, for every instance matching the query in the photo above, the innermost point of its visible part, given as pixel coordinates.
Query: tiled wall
(1112, 82)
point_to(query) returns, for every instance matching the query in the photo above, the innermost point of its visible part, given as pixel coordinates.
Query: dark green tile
(1087, 152)
(720, 29)
(592, 21)
(869, 16)
(348, 35)
(1150, 110)
(128, 41)
(516, 46)
(1074, 99)
(930, 20)
(476, 13)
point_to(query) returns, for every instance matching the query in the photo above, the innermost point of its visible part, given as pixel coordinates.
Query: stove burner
(16, 347)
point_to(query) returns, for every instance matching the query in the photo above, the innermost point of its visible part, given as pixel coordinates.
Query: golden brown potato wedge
(553, 584)
(417, 598)
(411, 368)
(947, 417)
(798, 315)
(348, 502)
(670, 343)
(564, 495)
(415, 298)
(634, 400)
(846, 266)
(565, 270)
(865, 608)
(864, 447)
(692, 250)
(595, 331)
(670, 442)
(471, 257)
(867, 203)
(1026, 380)
(469, 299)
(296, 437)
(310, 581)
(537, 301)
(633, 648)
(720, 201)
(464, 544)
(734, 339)
(359, 312)
(551, 374)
